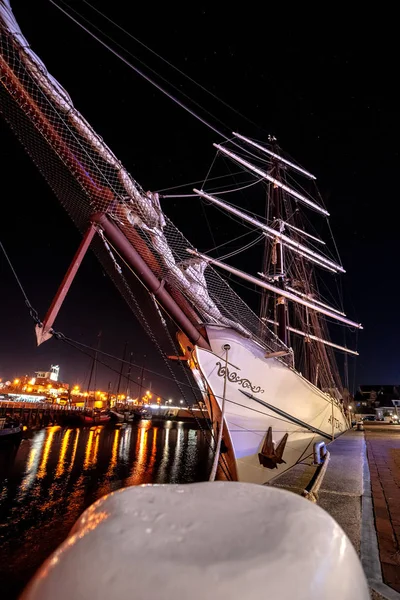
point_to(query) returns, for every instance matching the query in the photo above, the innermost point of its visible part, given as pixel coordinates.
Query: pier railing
(39, 405)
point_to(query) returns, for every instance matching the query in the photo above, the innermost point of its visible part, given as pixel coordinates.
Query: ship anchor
(270, 456)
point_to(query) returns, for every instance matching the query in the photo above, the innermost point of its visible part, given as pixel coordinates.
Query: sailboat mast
(87, 398)
(128, 376)
(121, 369)
(307, 347)
(93, 371)
(267, 245)
(141, 382)
(109, 395)
(277, 251)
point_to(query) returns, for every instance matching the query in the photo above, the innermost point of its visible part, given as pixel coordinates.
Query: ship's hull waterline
(262, 393)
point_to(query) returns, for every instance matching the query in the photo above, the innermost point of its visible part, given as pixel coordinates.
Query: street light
(180, 401)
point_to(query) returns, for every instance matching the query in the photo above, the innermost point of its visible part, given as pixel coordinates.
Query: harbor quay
(361, 491)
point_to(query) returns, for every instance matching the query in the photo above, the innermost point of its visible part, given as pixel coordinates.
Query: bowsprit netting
(87, 178)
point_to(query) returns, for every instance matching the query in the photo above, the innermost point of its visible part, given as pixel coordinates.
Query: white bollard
(216, 540)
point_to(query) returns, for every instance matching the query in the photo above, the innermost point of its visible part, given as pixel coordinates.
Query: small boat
(116, 416)
(142, 413)
(9, 428)
(129, 416)
(95, 417)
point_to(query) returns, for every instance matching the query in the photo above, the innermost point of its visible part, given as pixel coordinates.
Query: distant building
(44, 386)
(51, 375)
(47, 382)
(376, 399)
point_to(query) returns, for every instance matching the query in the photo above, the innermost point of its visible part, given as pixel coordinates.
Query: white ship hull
(280, 398)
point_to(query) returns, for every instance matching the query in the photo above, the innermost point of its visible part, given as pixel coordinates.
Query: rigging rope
(242, 249)
(156, 85)
(169, 63)
(229, 242)
(141, 73)
(244, 187)
(33, 312)
(192, 183)
(145, 65)
(202, 204)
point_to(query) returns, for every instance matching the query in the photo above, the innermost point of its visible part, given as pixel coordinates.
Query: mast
(287, 275)
(277, 256)
(141, 381)
(264, 294)
(109, 395)
(290, 278)
(93, 369)
(307, 348)
(95, 364)
(121, 369)
(89, 382)
(128, 376)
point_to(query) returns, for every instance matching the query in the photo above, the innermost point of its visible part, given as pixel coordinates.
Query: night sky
(324, 85)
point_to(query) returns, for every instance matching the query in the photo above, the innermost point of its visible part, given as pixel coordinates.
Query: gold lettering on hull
(234, 378)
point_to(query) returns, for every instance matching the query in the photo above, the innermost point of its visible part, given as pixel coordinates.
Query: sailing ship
(270, 379)
(92, 415)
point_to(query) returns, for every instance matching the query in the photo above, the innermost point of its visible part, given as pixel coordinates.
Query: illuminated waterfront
(54, 475)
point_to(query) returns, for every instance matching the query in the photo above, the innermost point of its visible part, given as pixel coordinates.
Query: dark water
(49, 480)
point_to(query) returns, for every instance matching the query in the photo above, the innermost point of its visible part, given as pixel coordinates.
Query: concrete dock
(370, 515)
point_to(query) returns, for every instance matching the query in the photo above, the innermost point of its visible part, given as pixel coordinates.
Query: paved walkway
(369, 515)
(383, 451)
(342, 486)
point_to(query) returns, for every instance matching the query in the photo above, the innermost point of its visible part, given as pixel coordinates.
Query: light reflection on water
(49, 480)
(64, 446)
(113, 461)
(32, 464)
(125, 444)
(47, 446)
(139, 466)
